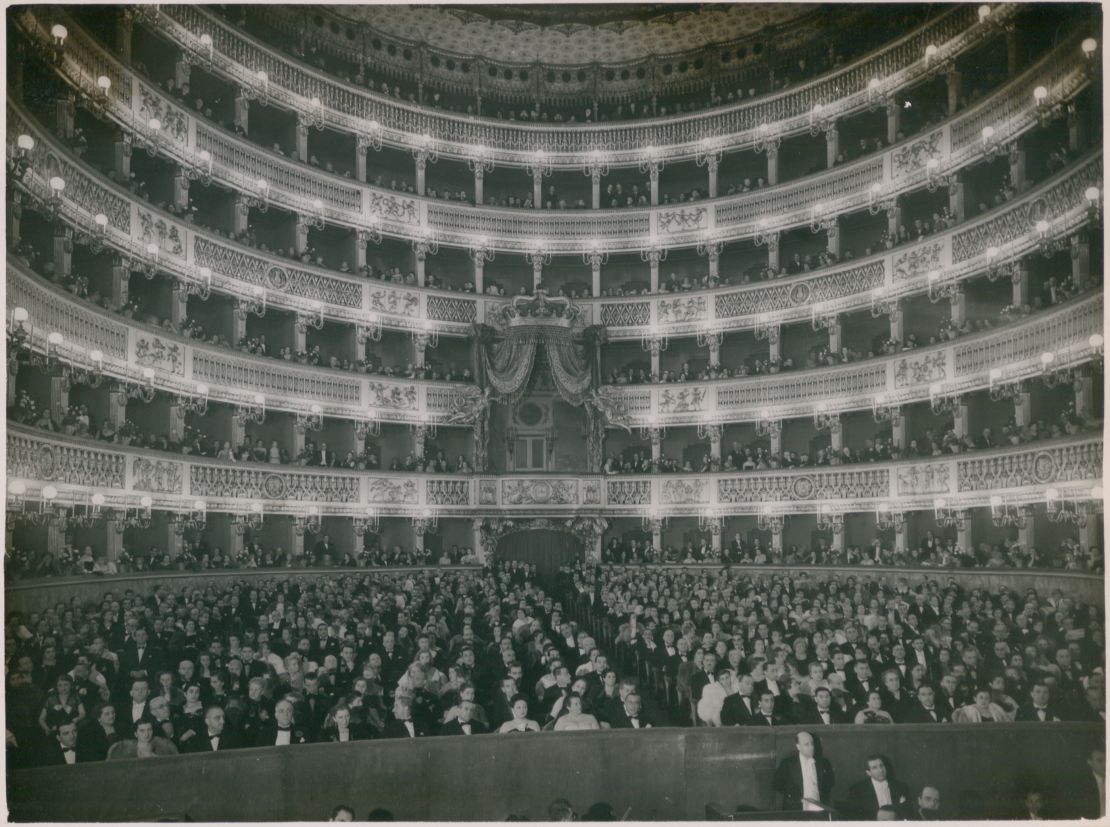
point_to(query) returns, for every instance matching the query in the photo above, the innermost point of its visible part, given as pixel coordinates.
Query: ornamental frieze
(32, 459)
(868, 483)
(164, 355)
(396, 397)
(674, 222)
(393, 209)
(685, 492)
(683, 309)
(387, 490)
(919, 260)
(156, 476)
(912, 157)
(173, 121)
(451, 309)
(682, 400)
(250, 483)
(1066, 463)
(167, 235)
(931, 478)
(394, 302)
(626, 314)
(539, 492)
(920, 370)
(591, 492)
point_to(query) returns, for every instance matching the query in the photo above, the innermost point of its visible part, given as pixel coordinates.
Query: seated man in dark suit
(739, 709)
(281, 730)
(879, 789)
(804, 780)
(464, 724)
(1040, 708)
(630, 716)
(823, 712)
(765, 714)
(403, 725)
(1087, 792)
(217, 736)
(925, 710)
(63, 749)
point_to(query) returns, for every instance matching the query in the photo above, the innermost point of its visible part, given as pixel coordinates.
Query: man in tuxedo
(823, 712)
(1087, 792)
(500, 709)
(765, 714)
(630, 716)
(138, 656)
(804, 780)
(464, 724)
(860, 682)
(738, 709)
(926, 710)
(325, 548)
(878, 789)
(140, 692)
(699, 680)
(323, 457)
(393, 661)
(217, 736)
(1039, 709)
(280, 731)
(403, 725)
(63, 750)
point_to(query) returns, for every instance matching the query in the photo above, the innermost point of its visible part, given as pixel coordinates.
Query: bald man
(805, 779)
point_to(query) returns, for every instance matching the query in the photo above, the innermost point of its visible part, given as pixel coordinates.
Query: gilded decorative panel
(539, 492)
(156, 475)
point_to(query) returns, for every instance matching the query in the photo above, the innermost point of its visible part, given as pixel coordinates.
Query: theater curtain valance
(508, 362)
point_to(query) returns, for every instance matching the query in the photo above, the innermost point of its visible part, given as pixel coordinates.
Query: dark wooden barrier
(37, 594)
(660, 774)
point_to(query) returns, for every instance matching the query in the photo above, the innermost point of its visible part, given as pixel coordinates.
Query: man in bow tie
(64, 748)
(281, 731)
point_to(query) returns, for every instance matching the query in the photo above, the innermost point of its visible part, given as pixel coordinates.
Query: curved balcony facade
(240, 271)
(241, 165)
(79, 469)
(348, 108)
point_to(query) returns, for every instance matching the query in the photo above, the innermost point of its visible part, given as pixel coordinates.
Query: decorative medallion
(273, 486)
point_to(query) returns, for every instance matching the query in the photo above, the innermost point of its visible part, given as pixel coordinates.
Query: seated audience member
(145, 744)
(879, 789)
(575, 718)
(805, 780)
(520, 722)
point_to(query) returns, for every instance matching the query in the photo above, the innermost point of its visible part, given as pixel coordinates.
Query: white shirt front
(882, 792)
(215, 741)
(412, 730)
(344, 736)
(810, 788)
(137, 710)
(1100, 782)
(284, 737)
(70, 756)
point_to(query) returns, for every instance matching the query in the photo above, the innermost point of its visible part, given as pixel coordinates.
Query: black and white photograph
(461, 412)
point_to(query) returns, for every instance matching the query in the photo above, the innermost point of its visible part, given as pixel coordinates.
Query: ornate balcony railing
(240, 165)
(180, 365)
(238, 270)
(957, 367)
(239, 58)
(79, 468)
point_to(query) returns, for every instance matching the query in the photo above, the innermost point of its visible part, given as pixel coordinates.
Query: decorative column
(300, 234)
(652, 167)
(423, 247)
(835, 337)
(63, 250)
(963, 531)
(1017, 169)
(477, 540)
(242, 111)
(654, 345)
(480, 436)
(960, 420)
(122, 32)
(957, 196)
(656, 444)
(539, 169)
(954, 79)
(180, 189)
(715, 536)
(241, 214)
(958, 302)
(181, 72)
(711, 248)
(302, 139)
(537, 258)
(59, 399)
(594, 170)
(898, 428)
(176, 422)
(832, 146)
(595, 258)
(776, 537)
(893, 121)
(420, 341)
(65, 113)
(900, 537)
(656, 533)
(1081, 260)
(836, 433)
(480, 256)
(479, 186)
(1077, 131)
(832, 230)
(714, 433)
(1023, 409)
(709, 156)
(893, 217)
(113, 540)
(1084, 394)
(1089, 534)
(171, 534)
(713, 341)
(771, 239)
(419, 437)
(1013, 53)
(179, 305)
(897, 322)
(1027, 532)
(362, 239)
(772, 165)
(713, 165)
(838, 533)
(1019, 276)
(360, 162)
(653, 256)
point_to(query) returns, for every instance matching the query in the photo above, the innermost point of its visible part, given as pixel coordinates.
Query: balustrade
(844, 188)
(78, 470)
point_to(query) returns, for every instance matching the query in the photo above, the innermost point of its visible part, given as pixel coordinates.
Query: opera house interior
(388, 380)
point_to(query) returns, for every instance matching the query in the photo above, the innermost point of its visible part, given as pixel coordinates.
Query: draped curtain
(546, 549)
(508, 363)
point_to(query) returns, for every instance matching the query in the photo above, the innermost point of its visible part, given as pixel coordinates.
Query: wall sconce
(316, 219)
(887, 518)
(200, 286)
(766, 427)
(370, 233)
(1000, 390)
(987, 143)
(425, 336)
(54, 201)
(312, 115)
(708, 153)
(1048, 107)
(368, 524)
(877, 98)
(425, 152)
(255, 303)
(939, 290)
(764, 236)
(597, 165)
(1098, 348)
(1093, 195)
(823, 420)
(54, 342)
(766, 140)
(650, 164)
(143, 391)
(151, 140)
(1006, 516)
(252, 412)
(882, 410)
(313, 319)
(881, 305)
(828, 520)
(538, 255)
(201, 171)
(821, 320)
(480, 163)
(371, 331)
(709, 520)
(261, 199)
(709, 245)
(195, 519)
(372, 138)
(654, 340)
(94, 238)
(818, 121)
(947, 517)
(1063, 511)
(707, 428)
(1048, 245)
(940, 401)
(307, 521)
(653, 430)
(371, 426)
(313, 421)
(708, 337)
(654, 253)
(195, 404)
(482, 251)
(139, 517)
(1052, 374)
(819, 221)
(258, 88)
(425, 244)
(251, 520)
(931, 52)
(933, 177)
(21, 164)
(766, 330)
(997, 269)
(149, 263)
(595, 256)
(90, 512)
(768, 521)
(425, 522)
(91, 374)
(425, 426)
